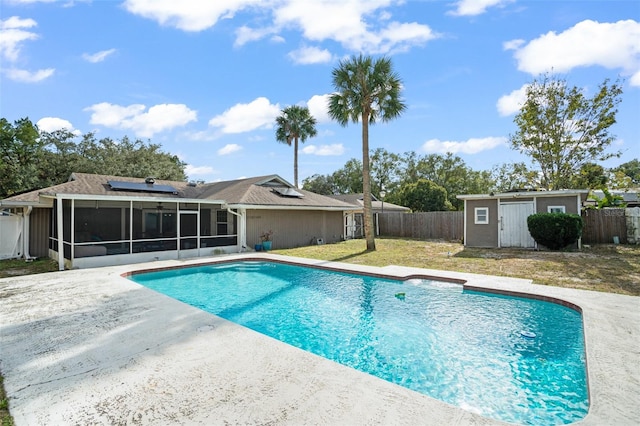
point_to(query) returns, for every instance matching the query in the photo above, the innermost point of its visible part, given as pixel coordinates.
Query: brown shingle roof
(376, 205)
(256, 191)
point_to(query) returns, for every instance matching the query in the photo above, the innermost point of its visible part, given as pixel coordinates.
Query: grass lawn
(609, 268)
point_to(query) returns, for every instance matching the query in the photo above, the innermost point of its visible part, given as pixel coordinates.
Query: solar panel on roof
(141, 187)
(288, 192)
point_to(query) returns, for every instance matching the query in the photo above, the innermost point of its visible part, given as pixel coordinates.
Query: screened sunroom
(99, 231)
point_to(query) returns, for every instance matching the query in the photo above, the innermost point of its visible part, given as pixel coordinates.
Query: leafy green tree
(128, 157)
(60, 157)
(590, 176)
(386, 168)
(21, 150)
(295, 123)
(561, 129)
(512, 176)
(320, 184)
(348, 179)
(31, 159)
(631, 170)
(367, 90)
(424, 196)
(448, 171)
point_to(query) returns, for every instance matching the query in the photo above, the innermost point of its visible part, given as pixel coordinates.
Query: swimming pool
(467, 348)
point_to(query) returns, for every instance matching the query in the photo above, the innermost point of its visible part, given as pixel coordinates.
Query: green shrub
(555, 230)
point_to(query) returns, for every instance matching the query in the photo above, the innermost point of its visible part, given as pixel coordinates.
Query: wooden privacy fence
(602, 225)
(424, 225)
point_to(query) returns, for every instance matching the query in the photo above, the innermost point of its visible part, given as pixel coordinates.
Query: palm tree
(367, 90)
(295, 123)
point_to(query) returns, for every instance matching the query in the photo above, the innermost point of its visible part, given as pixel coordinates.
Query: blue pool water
(513, 359)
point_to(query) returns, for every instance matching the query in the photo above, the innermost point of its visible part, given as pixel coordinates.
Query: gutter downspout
(242, 226)
(25, 233)
(60, 233)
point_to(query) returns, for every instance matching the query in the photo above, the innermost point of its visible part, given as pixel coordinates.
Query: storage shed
(500, 220)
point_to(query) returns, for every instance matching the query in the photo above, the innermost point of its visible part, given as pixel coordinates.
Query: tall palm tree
(294, 124)
(367, 90)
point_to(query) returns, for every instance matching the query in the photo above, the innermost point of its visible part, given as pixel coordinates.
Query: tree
(295, 123)
(448, 171)
(30, 159)
(367, 90)
(424, 196)
(348, 179)
(631, 170)
(20, 152)
(385, 169)
(561, 129)
(320, 184)
(512, 176)
(590, 176)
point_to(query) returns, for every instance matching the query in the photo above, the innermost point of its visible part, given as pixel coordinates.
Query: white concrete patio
(91, 347)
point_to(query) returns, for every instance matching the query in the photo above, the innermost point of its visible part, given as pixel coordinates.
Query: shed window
(482, 215)
(555, 209)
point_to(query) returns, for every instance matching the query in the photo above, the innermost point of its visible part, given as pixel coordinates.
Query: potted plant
(265, 237)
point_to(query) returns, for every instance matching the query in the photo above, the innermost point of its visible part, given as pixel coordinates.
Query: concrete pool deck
(91, 347)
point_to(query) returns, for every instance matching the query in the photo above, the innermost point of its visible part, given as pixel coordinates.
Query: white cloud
(245, 34)
(229, 148)
(323, 150)
(99, 56)
(345, 23)
(511, 103)
(356, 24)
(25, 76)
(12, 35)
(190, 15)
(157, 119)
(319, 108)
(191, 170)
(310, 55)
(476, 7)
(588, 43)
(513, 44)
(240, 118)
(471, 146)
(51, 124)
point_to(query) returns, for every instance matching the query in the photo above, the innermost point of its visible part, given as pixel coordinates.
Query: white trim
(562, 208)
(282, 207)
(475, 216)
(130, 198)
(530, 194)
(464, 226)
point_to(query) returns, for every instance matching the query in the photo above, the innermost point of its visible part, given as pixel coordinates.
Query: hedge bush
(555, 230)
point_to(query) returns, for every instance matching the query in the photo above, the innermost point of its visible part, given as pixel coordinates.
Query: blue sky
(206, 79)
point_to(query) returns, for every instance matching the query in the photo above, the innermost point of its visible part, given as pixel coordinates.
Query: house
(629, 198)
(98, 220)
(500, 220)
(354, 223)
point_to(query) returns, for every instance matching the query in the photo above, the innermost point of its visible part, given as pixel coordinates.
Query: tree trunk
(366, 185)
(295, 161)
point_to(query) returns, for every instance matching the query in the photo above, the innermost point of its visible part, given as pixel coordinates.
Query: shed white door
(513, 225)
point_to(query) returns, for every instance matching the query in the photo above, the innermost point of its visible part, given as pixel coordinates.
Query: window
(555, 209)
(222, 222)
(482, 215)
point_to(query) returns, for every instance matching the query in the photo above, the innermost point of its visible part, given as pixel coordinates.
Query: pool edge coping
(571, 298)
